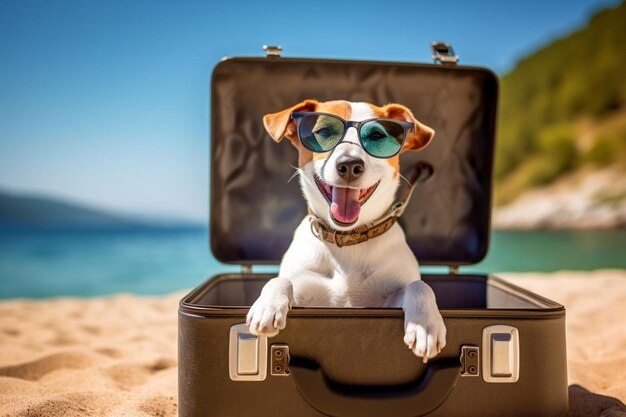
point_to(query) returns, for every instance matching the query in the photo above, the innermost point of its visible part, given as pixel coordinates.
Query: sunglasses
(321, 132)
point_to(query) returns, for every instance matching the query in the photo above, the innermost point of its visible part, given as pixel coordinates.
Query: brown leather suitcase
(505, 352)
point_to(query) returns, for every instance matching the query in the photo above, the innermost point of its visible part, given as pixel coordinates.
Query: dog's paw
(268, 316)
(425, 334)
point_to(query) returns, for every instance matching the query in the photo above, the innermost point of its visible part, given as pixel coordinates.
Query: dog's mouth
(345, 203)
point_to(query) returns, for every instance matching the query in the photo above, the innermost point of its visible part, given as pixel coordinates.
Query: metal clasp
(279, 362)
(443, 54)
(501, 354)
(397, 209)
(315, 227)
(273, 50)
(247, 354)
(470, 357)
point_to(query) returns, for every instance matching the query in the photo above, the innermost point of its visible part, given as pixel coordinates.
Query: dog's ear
(419, 137)
(280, 124)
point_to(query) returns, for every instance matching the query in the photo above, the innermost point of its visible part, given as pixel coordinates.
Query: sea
(41, 265)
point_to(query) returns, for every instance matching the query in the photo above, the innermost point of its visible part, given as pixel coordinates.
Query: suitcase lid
(255, 210)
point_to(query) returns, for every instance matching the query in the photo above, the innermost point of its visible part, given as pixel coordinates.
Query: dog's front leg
(268, 314)
(424, 330)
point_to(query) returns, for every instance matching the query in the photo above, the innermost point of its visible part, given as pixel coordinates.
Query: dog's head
(347, 186)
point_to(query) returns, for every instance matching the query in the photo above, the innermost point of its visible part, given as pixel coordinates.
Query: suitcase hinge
(443, 54)
(273, 51)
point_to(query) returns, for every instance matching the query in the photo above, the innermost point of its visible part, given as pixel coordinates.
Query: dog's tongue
(345, 205)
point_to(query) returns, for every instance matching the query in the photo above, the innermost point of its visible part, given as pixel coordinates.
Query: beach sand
(116, 356)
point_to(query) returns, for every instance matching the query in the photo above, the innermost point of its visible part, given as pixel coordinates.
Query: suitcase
(505, 352)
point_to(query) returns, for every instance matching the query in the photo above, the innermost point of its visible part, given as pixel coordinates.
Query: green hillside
(564, 106)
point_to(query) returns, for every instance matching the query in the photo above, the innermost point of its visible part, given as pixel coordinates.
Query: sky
(107, 102)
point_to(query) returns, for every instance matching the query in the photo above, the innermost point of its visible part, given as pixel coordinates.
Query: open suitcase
(505, 352)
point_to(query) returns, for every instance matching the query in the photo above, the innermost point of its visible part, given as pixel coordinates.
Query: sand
(116, 356)
(596, 336)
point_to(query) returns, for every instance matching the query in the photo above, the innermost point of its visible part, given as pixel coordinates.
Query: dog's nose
(350, 168)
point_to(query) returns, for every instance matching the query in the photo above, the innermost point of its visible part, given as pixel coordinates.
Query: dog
(347, 189)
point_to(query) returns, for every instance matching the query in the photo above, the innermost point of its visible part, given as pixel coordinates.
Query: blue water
(83, 264)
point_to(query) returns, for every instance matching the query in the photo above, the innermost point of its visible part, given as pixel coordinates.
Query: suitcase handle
(413, 399)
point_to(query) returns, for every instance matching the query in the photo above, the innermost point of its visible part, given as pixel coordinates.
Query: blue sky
(106, 102)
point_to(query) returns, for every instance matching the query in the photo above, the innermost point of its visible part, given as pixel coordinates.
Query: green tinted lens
(382, 138)
(320, 133)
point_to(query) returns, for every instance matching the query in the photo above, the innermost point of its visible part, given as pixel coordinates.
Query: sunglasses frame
(299, 116)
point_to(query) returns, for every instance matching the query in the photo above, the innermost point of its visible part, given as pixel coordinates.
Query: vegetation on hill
(563, 107)
(27, 213)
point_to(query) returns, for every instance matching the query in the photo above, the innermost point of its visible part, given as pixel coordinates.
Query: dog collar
(351, 237)
(363, 233)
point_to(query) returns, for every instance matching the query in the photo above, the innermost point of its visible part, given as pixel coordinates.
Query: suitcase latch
(247, 355)
(500, 354)
(470, 357)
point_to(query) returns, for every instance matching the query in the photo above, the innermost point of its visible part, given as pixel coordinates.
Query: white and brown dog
(345, 189)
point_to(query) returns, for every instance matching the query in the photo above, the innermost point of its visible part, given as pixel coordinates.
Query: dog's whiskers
(295, 174)
(407, 181)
